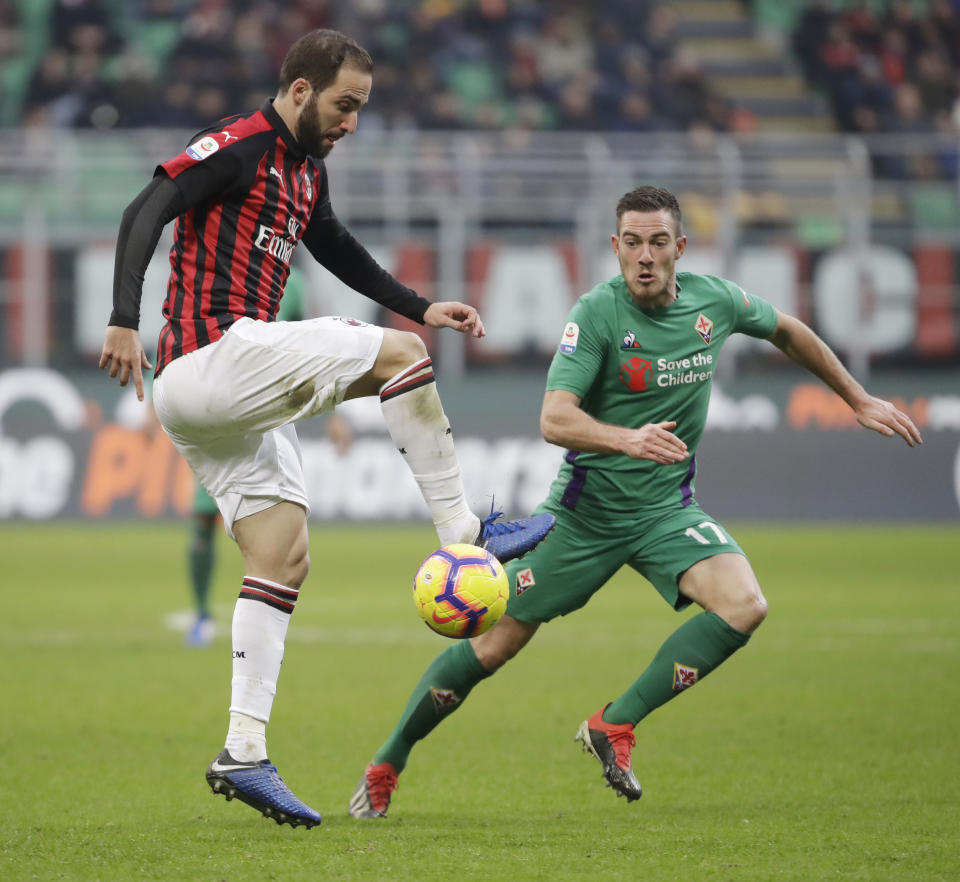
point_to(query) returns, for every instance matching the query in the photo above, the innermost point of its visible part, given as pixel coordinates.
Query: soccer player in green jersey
(627, 395)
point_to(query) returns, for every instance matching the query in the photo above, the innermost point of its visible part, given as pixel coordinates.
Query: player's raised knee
(402, 347)
(398, 351)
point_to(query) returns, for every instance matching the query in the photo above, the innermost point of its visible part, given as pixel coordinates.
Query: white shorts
(229, 406)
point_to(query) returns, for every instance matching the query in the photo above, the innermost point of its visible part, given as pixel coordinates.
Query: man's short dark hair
(650, 199)
(318, 57)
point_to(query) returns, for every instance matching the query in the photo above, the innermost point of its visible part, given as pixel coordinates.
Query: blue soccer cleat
(260, 786)
(511, 539)
(201, 633)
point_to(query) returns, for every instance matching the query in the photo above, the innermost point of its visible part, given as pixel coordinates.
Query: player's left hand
(452, 314)
(883, 417)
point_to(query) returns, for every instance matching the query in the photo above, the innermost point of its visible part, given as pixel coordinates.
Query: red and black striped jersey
(231, 250)
(247, 194)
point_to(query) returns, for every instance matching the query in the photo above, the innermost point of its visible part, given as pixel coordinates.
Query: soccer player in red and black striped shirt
(231, 381)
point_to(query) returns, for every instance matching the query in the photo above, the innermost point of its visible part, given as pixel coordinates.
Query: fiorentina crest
(444, 700)
(683, 677)
(525, 580)
(704, 328)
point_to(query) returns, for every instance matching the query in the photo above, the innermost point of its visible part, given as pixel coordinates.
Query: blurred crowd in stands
(440, 64)
(894, 72)
(477, 64)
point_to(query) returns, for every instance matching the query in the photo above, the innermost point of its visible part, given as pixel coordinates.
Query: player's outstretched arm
(565, 423)
(123, 354)
(801, 344)
(452, 314)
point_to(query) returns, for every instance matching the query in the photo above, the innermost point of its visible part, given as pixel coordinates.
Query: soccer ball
(460, 590)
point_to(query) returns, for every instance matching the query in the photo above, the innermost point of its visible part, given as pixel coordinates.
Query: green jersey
(632, 366)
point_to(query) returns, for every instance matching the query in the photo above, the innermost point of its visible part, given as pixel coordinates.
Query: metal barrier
(858, 236)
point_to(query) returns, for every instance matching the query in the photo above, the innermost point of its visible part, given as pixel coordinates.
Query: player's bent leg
(725, 584)
(403, 377)
(502, 642)
(273, 542)
(442, 689)
(399, 350)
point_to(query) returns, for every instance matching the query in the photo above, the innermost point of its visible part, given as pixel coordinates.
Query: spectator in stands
(901, 15)
(11, 38)
(946, 23)
(68, 90)
(909, 115)
(870, 89)
(564, 51)
(895, 75)
(935, 80)
(48, 101)
(863, 26)
(635, 113)
(576, 103)
(686, 98)
(488, 63)
(83, 25)
(894, 56)
(808, 36)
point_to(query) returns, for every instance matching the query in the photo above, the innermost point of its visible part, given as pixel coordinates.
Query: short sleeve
(752, 315)
(579, 356)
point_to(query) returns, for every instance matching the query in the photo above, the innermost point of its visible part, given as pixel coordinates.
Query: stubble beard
(310, 134)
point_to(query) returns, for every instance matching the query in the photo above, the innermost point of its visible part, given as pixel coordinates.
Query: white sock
(260, 621)
(420, 429)
(246, 739)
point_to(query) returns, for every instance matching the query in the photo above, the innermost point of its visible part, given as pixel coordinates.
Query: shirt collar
(646, 310)
(277, 122)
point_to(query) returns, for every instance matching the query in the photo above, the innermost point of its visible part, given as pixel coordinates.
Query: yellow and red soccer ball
(460, 590)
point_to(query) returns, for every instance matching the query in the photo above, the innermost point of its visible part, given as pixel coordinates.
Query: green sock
(687, 656)
(441, 690)
(201, 557)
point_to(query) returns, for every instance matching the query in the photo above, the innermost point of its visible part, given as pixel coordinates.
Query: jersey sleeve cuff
(124, 321)
(419, 314)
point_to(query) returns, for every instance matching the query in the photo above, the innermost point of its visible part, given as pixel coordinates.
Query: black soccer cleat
(259, 785)
(611, 744)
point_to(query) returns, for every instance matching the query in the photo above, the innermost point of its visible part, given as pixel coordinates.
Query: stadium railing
(872, 222)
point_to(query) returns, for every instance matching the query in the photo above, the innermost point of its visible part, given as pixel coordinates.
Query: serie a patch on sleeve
(571, 333)
(203, 148)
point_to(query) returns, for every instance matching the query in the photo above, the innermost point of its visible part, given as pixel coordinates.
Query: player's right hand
(123, 354)
(657, 443)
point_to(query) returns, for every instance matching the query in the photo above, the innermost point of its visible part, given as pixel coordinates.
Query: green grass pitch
(828, 749)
